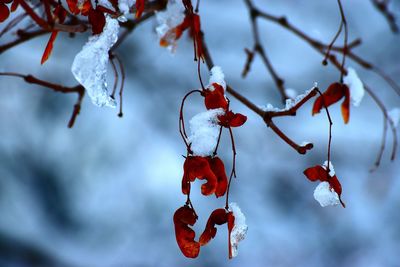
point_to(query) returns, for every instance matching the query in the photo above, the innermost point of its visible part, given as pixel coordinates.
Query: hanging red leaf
(97, 20)
(217, 217)
(184, 217)
(333, 94)
(73, 7)
(175, 33)
(230, 119)
(49, 47)
(198, 167)
(4, 12)
(217, 166)
(14, 5)
(320, 173)
(139, 8)
(60, 14)
(215, 98)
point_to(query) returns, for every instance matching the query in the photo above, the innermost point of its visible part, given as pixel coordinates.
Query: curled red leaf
(217, 166)
(217, 217)
(139, 8)
(333, 94)
(319, 173)
(198, 167)
(184, 217)
(230, 119)
(97, 20)
(215, 98)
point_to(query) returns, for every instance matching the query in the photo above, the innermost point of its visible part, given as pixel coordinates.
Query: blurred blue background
(104, 192)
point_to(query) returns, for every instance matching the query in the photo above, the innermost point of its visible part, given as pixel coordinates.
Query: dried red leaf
(139, 8)
(215, 98)
(231, 224)
(49, 47)
(14, 5)
(217, 217)
(198, 167)
(175, 33)
(333, 94)
(184, 217)
(73, 6)
(97, 20)
(4, 12)
(218, 168)
(230, 119)
(320, 173)
(86, 7)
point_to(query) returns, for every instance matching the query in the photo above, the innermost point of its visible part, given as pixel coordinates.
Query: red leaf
(14, 5)
(73, 6)
(345, 107)
(320, 173)
(333, 94)
(86, 7)
(184, 217)
(175, 33)
(139, 8)
(49, 47)
(97, 20)
(231, 224)
(316, 173)
(215, 98)
(230, 119)
(198, 167)
(219, 217)
(217, 166)
(4, 12)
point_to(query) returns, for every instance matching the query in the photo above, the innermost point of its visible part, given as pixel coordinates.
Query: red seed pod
(184, 217)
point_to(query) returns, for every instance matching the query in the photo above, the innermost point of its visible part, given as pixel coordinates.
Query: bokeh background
(104, 192)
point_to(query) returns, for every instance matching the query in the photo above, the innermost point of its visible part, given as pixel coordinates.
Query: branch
(55, 87)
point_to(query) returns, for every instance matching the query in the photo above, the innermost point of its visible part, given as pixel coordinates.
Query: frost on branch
(355, 85)
(204, 130)
(90, 64)
(394, 115)
(216, 76)
(290, 103)
(325, 195)
(168, 20)
(239, 230)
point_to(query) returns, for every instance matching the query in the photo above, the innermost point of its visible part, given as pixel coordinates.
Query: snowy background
(104, 192)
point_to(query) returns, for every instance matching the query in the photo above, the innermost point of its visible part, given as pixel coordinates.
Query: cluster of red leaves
(214, 97)
(5, 10)
(185, 236)
(333, 94)
(191, 22)
(211, 169)
(321, 173)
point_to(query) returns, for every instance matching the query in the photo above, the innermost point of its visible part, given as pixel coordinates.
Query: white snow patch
(125, 6)
(355, 85)
(90, 64)
(305, 143)
(217, 76)
(325, 195)
(331, 169)
(239, 230)
(394, 115)
(204, 130)
(291, 93)
(169, 19)
(289, 103)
